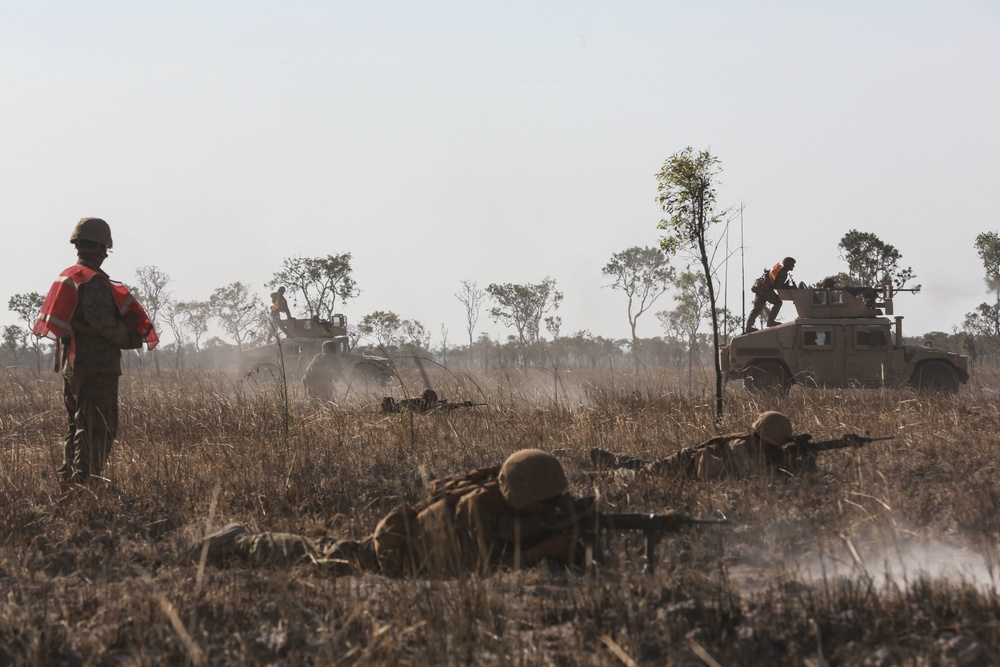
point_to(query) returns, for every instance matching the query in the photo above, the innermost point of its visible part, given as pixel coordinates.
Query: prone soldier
(513, 515)
(470, 522)
(319, 376)
(426, 401)
(770, 446)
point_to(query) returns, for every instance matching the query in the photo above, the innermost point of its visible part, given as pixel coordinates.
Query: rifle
(581, 516)
(455, 405)
(802, 445)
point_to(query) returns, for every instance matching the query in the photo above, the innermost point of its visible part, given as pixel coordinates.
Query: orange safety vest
(773, 273)
(54, 319)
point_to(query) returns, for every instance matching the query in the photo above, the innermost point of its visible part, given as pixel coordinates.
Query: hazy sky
(504, 142)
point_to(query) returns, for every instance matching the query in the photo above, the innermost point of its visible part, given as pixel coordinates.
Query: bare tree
(196, 316)
(152, 293)
(473, 299)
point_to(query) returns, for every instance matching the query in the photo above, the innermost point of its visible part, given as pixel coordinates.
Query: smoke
(892, 556)
(882, 556)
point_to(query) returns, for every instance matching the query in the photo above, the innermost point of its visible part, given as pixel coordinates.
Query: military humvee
(839, 339)
(303, 340)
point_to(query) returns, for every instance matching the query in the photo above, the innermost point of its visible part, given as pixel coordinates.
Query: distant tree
(523, 306)
(444, 344)
(686, 193)
(319, 281)
(414, 334)
(686, 319)
(984, 322)
(382, 325)
(871, 261)
(196, 316)
(152, 283)
(472, 298)
(174, 318)
(14, 338)
(841, 279)
(27, 306)
(643, 275)
(237, 310)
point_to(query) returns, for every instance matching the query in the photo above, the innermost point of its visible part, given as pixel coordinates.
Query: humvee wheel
(935, 376)
(767, 377)
(372, 374)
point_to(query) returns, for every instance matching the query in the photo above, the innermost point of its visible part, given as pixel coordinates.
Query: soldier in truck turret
(765, 292)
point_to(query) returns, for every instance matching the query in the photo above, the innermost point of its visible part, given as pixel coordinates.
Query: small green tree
(14, 338)
(237, 311)
(686, 193)
(872, 262)
(523, 307)
(984, 322)
(382, 326)
(319, 281)
(643, 275)
(27, 306)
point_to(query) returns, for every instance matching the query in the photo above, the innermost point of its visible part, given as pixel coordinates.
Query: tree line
(685, 261)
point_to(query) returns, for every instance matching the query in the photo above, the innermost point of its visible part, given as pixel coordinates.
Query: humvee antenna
(743, 270)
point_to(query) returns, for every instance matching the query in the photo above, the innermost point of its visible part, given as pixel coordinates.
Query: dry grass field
(887, 556)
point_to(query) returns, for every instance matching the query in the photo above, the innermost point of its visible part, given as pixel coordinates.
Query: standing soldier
(764, 289)
(319, 376)
(92, 319)
(474, 522)
(737, 454)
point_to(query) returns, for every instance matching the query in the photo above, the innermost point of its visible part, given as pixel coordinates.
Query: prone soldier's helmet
(329, 347)
(429, 396)
(94, 230)
(529, 476)
(773, 428)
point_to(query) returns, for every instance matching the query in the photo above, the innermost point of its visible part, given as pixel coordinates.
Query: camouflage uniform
(90, 385)
(319, 376)
(765, 292)
(425, 402)
(467, 524)
(733, 455)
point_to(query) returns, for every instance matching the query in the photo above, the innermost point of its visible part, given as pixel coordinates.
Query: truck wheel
(372, 374)
(767, 377)
(936, 376)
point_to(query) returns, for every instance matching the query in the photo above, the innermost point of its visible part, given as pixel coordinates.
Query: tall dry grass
(886, 556)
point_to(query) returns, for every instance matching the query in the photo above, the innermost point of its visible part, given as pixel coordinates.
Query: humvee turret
(840, 338)
(303, 339)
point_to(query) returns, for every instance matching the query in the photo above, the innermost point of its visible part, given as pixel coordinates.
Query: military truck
(303, 339)
(840, 338)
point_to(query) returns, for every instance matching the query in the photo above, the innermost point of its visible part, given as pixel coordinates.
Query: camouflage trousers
(92, 408)
(288, 549)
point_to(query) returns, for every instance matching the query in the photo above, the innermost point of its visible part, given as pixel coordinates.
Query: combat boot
(219, 545)
(773, 323)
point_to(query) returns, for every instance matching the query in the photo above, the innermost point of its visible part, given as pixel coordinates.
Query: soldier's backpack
(762, 282)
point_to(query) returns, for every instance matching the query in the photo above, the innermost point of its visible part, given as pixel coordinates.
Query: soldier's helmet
(773, 428)
(788, 261)
(94, 230)
(329, 347)
(529, 476)
(428, 396)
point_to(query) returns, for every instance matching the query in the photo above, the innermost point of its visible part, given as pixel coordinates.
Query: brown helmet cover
(773, 427)
(531, 475)
(94, 230)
